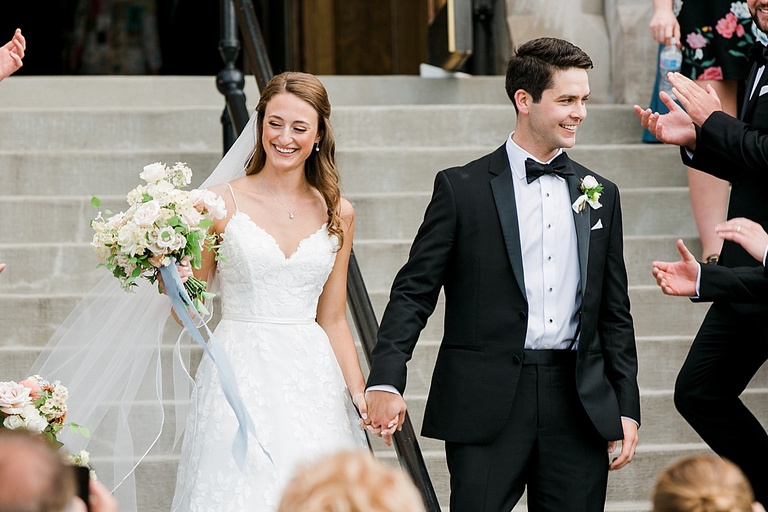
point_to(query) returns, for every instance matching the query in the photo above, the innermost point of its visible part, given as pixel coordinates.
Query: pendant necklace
(291, 214)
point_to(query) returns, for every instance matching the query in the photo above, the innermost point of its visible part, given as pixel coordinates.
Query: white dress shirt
(550, 254)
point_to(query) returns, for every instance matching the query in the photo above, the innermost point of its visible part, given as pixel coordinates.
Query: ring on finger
(738, 228)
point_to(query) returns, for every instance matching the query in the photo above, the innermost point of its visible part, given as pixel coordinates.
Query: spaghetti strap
(237, 209)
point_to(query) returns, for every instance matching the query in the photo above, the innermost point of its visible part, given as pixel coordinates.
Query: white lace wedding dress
(286, 372)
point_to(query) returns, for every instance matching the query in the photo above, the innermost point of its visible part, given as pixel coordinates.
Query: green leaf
(95, 202)
(174, 221)
(145, 198)
(206, 223)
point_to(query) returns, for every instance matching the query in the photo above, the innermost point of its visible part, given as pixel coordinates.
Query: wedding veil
(109, 353)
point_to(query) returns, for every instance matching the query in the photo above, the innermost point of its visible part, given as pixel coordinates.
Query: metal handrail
(405, 441)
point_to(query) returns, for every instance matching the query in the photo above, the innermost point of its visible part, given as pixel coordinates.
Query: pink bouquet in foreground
(38, 406)
(162, 225)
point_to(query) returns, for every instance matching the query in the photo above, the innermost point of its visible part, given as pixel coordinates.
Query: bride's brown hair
(320, 166)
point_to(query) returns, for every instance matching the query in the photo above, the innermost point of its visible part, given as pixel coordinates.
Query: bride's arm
(332, 313)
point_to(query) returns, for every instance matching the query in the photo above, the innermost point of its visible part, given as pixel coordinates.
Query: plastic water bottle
(670, 60)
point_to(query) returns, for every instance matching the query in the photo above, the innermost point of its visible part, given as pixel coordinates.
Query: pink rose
(727, 26)
(695, 40)
(34, 387)
(713, 73)
(740, 30)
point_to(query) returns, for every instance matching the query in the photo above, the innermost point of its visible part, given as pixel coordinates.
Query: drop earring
(317, 146)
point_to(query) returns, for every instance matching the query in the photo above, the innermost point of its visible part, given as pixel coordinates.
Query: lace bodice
(288, 288)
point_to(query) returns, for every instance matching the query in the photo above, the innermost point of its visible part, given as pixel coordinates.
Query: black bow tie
(759, 53)
(535, 170)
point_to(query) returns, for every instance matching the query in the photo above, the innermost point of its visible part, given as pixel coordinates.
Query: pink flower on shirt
(728, 25)
(696, 40)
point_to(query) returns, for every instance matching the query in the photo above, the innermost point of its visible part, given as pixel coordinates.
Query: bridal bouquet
(38, 406)
(162, 225)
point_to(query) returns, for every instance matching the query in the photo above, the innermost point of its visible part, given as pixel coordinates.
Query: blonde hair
(320, 168)
(702, 483)
(350, 482)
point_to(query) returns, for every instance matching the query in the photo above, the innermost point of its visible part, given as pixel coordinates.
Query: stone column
(613, 32)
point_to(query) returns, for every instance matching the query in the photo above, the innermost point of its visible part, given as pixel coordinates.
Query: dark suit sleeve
(726, 147)
(415, 289)
(741, 284)
(615, 322)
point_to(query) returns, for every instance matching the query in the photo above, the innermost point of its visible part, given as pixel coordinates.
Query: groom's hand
(628, 445)
(386, 413)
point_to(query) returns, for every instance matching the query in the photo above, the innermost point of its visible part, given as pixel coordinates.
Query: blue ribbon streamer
(180, 299)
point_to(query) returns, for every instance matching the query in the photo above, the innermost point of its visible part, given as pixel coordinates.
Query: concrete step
(197, 128)
(115, 172)
(654, 314)
(160, 91)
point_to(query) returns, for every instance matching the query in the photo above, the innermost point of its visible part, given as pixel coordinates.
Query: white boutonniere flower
(591, 191)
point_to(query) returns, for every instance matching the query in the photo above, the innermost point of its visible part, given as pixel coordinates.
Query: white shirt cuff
(384, 387)
(698, 284)
(633, 420)
(765, 254)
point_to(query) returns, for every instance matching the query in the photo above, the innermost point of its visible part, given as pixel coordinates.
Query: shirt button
(546, 346)
(551, 321)
(550, 289)
(549, 226)
(549, 258)
(547, 194)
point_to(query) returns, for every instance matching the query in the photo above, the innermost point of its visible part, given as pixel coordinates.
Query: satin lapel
(504, 196)
(746, 114)
(582, 222)
(750, 82)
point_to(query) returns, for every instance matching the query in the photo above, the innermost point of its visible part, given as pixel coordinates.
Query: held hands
(678, 278)
(748, 234)
(386, 414)
(628, 445)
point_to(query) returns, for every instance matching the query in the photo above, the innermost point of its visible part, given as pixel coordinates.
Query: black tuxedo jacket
(469, 244)
(741, 284)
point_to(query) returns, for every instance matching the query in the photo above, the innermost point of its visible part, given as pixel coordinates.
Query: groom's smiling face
(759, 11)
(553, 121)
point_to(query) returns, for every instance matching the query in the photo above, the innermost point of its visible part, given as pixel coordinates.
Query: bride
(280, 270)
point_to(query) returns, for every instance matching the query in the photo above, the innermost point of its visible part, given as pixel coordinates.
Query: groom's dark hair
(533, 64)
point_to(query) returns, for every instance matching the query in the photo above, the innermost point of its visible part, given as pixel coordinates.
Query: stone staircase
(65, 139)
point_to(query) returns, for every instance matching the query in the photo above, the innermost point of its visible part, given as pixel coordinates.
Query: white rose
(192, 218)
(147, 213)
(131, 238)
(153, 172)
(13, 397)
(589, 182)
(13, 422)
(33, 420)
(168, 240)
(213, 203)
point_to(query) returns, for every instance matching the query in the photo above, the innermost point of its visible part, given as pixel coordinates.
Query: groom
(535, 380)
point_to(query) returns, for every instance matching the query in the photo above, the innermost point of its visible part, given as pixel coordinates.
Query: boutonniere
(590, 193)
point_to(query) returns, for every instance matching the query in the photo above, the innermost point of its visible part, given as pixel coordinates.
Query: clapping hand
(748, 234)
(678, 278)
(675, 127)
(11, 54)
(698, 103)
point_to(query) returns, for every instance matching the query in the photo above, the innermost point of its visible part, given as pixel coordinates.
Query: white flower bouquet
(38, 406)
(162, 225)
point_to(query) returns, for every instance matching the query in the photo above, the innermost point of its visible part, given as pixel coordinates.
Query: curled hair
(702, 483)
(350, 482)
(320, 167)
(533, 65)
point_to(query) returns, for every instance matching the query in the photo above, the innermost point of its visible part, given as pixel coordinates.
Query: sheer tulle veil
(109, 353)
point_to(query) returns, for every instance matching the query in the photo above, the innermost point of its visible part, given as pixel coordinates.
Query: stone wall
(613, 32)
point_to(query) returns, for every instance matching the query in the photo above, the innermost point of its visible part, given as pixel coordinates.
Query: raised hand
(698, 103)
(678, 278)
(11, 54)
(386, 414)
(674, 127)
(748, 234)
